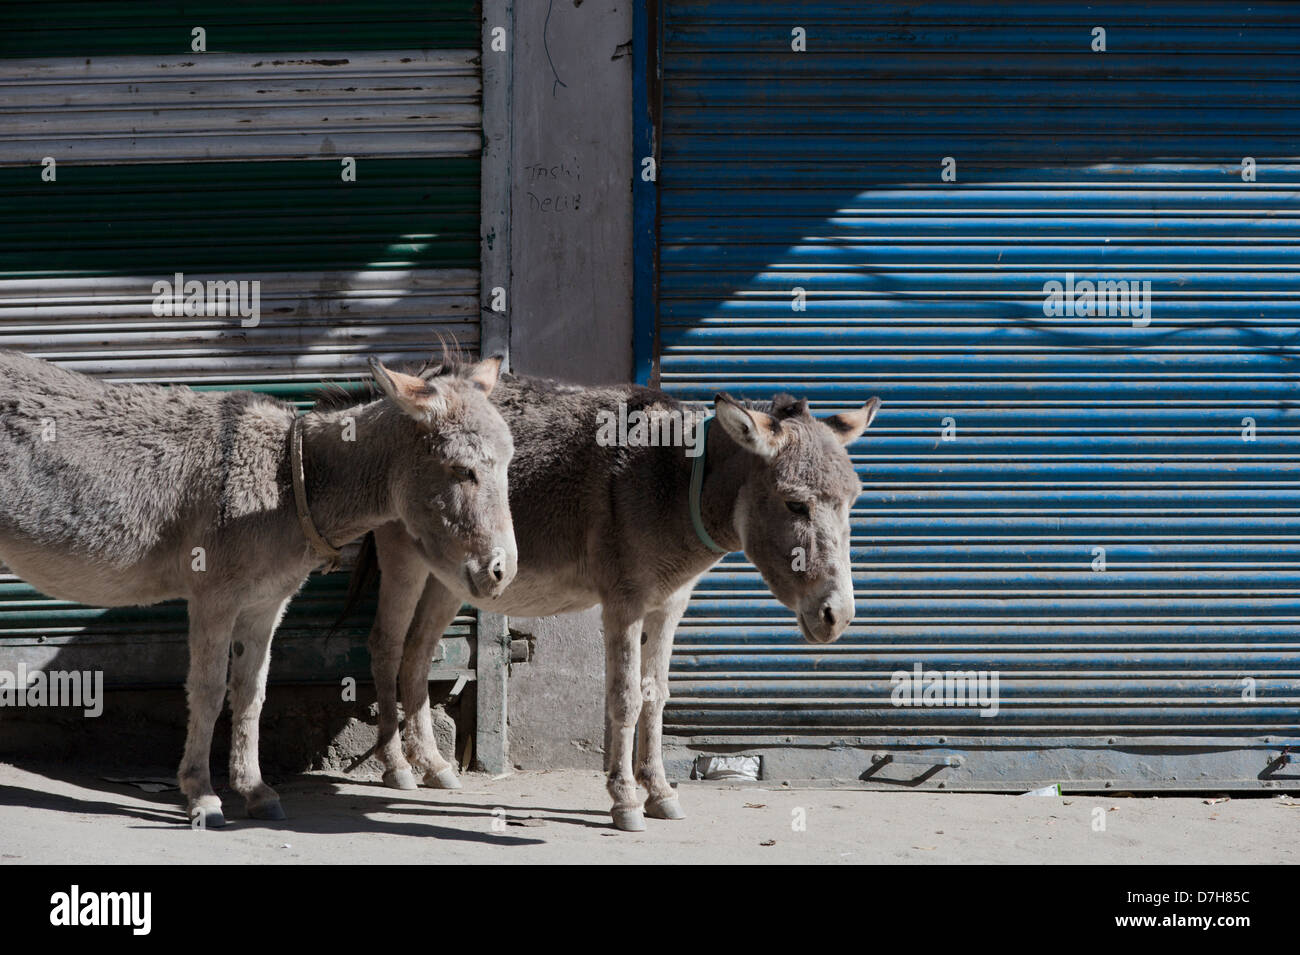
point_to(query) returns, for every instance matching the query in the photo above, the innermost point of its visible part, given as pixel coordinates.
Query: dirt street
(49, 816)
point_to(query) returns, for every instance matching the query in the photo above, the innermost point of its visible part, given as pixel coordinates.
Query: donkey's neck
(726, 466)
(347, 457)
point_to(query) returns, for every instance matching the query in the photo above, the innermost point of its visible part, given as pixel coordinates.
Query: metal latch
(919, 759)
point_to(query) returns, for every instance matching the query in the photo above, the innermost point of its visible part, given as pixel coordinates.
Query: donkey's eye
(465, 474)
(797, 507)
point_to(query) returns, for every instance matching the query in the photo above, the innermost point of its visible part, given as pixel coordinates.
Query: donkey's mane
(781, 406)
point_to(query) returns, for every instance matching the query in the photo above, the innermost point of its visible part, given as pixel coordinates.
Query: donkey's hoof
(270, 811)
(399, 779)
(629, 820)
(447, 779)
(206, 817)
(669, 808)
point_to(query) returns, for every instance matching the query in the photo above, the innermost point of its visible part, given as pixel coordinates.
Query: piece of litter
(769, 842)
(755, 805)
(925, 848)
(286, 846)
(727, 767)
(1052, 790)
(150, 784)
(1067, 802)
(1215, 800)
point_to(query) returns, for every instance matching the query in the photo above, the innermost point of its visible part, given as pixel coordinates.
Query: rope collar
(319, 544)
(697, 484)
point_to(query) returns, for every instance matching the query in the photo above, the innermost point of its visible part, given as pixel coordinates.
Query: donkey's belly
(84, 580)
(536, 595)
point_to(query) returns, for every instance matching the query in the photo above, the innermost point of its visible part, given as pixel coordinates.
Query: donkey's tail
(365, 574)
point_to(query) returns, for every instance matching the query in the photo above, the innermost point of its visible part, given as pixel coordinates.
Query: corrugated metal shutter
(226, 165)
(821, 170)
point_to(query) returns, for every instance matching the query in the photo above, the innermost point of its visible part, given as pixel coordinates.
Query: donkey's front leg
(660, 625)
(622, 706)
(250, 658)
(402, 580)
(211, 623)
(436, 611)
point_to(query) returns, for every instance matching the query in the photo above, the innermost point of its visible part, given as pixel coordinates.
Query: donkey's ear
(484, 374)
(422, 400)
(849, 425)
(754, 431)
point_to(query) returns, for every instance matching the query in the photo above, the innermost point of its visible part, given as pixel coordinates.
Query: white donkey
(120, 494)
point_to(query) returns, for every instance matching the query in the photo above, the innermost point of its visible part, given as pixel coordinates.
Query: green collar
(697, 483)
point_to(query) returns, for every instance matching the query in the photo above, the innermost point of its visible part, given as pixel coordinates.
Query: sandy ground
(47, 815)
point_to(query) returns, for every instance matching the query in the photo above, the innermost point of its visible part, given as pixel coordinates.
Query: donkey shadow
(355, 812)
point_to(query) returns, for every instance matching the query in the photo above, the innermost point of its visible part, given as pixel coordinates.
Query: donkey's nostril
(828, 615)
(498, 571)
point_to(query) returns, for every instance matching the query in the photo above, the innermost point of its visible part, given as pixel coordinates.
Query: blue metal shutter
(822, 170)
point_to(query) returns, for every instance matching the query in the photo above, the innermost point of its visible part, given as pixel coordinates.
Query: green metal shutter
(822, 171)
(227, 165)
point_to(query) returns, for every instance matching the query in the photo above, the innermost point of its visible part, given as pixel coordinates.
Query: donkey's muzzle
(826, 620)
(489, 576)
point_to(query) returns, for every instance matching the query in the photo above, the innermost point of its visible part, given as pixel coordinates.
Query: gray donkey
(627, 527)
(121, 494)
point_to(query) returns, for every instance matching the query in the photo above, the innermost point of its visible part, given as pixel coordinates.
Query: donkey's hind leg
(211, 624)
(250, 657)
(435, 613)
